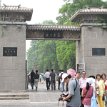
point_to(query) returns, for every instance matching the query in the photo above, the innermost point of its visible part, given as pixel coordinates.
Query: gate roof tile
(89, 11)
(52, 27)
(18, 8)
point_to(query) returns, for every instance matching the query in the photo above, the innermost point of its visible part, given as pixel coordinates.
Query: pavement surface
(39, 98)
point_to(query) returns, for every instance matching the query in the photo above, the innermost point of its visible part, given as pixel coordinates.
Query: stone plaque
(98, 51)
(9, 51)
(53, 34)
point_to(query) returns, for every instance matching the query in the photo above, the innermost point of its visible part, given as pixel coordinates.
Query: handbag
(103, 97)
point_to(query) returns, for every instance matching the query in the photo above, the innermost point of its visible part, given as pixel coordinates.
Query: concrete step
(14, 96)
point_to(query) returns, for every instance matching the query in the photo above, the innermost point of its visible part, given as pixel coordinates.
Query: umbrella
(71, 72)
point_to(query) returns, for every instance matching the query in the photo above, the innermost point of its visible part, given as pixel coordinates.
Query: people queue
(85, 91)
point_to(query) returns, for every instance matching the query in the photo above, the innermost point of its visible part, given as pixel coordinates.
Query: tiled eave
(52, 27)
(89, 11)
(15, 9)
(26, 12)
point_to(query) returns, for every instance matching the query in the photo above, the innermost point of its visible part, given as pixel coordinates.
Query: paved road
(41, 98)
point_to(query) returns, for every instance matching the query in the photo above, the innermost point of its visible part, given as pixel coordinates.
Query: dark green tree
(71, 6)
(42, 55)
(65, 54)
(51, 54)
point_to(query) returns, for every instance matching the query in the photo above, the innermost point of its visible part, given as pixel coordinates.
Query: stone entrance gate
(90, 36)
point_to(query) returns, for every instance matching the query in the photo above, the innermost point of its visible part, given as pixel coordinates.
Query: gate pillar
(13, 47)
(92, 47)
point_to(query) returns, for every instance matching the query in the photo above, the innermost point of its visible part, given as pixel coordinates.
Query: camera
(64, 95)
(60, 99)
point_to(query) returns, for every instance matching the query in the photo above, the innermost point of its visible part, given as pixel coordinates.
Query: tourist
(59, 78)
(36, 79)
(93, 99)
(100, 90)
(47, 76)
(87, 93)
(52, 80)
(73, 91)
(82, 83)
(32, 78)
(104, 77)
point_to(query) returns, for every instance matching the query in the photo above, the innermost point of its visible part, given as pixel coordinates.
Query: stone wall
(94, 36)
(12, 68)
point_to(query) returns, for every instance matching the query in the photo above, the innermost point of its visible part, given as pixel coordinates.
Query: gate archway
(90, 37)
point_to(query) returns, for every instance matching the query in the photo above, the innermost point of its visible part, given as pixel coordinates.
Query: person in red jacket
(87, 93)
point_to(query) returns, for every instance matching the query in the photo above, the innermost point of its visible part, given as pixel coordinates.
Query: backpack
(36, 76)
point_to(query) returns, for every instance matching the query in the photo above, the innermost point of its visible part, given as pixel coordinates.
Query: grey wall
(12, 68)
(93, 36)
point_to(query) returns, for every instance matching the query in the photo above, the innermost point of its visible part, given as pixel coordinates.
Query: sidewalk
(40, 98)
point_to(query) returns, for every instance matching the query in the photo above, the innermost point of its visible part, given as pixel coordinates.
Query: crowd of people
(82, 91)
(33, 79)
(85, 91)
(50, 77)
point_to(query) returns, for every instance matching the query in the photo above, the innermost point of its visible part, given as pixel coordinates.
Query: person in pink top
(87, 93)
(82, 80)
(82, 83)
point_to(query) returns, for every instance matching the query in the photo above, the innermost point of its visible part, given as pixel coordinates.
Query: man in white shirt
(47, 76)
(82, 82)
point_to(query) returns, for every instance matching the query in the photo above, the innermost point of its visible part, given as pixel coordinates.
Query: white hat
(64, 75)
(89, 80)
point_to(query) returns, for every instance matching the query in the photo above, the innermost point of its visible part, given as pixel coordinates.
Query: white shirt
(82, 82)
(47, 74)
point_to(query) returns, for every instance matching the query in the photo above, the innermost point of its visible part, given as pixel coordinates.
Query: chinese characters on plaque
(9, 51)
(53, 34)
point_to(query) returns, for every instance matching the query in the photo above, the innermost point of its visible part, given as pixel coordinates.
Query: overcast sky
(42, 9)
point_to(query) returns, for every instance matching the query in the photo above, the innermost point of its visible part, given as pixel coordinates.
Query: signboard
(9, 51)
(98, 51)
(53, 34)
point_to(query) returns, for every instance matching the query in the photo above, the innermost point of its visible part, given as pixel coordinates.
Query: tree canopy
(51, 54)
(71, 6)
